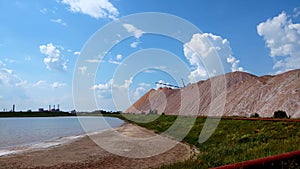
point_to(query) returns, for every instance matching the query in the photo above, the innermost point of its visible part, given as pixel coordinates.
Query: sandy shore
(84, 153)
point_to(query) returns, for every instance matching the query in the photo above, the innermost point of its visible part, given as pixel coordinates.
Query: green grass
(233, 140)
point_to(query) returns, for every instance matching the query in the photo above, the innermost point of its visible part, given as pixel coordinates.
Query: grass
(233, 140)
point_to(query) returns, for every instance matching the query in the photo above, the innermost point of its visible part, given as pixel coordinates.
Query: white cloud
(44, 84)
(296, 12)
(132, 29)
(40, 83)
(22, 84)
(103, 87)
(76, 53)
(94, 8)
(59, 21)
(114, 62)
(54, 59)
(140, 90)
(282, 37)
(106, 86)
(44, 10)
(82, 69)
(134, 44)
(119, 57)
(9, 60)
(205, 46)
(12, 86)
(198, 74)
(93, 60)
(234, 64)
(56, 85)
(7, 76)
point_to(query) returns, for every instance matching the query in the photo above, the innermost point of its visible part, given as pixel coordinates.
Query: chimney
(13, 109)
(49, 107)
(58, 107)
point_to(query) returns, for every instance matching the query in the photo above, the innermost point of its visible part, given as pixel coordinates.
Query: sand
(84, 153)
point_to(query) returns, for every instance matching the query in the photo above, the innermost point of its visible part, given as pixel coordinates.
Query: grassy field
(233, 140)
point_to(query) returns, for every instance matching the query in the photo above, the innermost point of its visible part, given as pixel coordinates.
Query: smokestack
(49, 107)
(58, 107)
(54, 107)
(13, 109)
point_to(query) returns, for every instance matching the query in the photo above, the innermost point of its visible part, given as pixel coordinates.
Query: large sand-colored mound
(239, 93)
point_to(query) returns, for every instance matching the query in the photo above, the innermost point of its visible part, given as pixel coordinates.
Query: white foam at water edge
(39, 146)
(47, 144)
(7, 152)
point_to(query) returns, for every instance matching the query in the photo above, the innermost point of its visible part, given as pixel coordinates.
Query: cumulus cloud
(134, 44)
(76, 53)
(93, 60)
(56, 85)
(114, 62)
(59, 21)
(106, 86)
(11, 85)
(234, 64)
(140, 90)
(54, 60)
(132, 29)
(44, 10)
(94, 8)
(296, 12)
(45, 84)
(103, 87)
(205, 46)
(282, 37)
(119, 57)
(40, 83)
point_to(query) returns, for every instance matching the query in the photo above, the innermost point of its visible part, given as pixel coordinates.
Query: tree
(280, 114)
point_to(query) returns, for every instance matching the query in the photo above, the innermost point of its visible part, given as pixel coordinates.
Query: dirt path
(84, 153)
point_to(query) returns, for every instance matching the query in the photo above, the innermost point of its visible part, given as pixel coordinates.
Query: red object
(267, 162)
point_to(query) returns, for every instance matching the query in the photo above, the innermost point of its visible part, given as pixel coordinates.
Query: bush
(280, 114)
(255, 115)
(152, 111)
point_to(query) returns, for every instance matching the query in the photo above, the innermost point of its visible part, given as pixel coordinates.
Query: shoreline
(84, 153)
(33, 141)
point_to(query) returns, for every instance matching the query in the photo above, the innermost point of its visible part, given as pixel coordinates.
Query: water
(22, 134)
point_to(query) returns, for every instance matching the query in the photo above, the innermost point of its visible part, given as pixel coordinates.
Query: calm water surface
(46, 131)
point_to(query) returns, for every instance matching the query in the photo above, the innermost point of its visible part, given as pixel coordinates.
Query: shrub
(152, 111)
(255, 115)
(280, 114)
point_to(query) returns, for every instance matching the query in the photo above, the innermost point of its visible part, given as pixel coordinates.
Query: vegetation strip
(232, 142)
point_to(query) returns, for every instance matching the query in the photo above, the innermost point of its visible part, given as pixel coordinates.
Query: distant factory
(54, 108)
(51, 109)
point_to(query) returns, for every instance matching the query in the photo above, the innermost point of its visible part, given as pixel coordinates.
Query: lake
(22, 134)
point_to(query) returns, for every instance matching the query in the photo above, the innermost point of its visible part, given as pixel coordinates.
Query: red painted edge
(260, 162)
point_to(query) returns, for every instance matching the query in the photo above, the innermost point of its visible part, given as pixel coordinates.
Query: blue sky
(42, 40)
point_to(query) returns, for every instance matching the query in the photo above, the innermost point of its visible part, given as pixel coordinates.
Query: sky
(42, 42)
